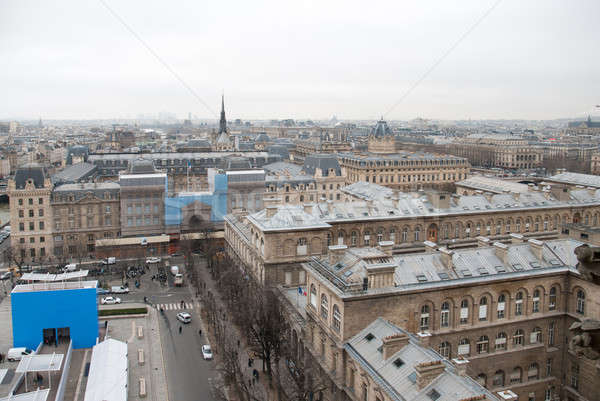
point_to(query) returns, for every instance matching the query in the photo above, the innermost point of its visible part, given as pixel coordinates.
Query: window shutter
(533, 337)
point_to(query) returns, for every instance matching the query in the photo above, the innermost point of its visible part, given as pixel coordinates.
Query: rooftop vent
(369, 337)
(433, 394)
(398, 362)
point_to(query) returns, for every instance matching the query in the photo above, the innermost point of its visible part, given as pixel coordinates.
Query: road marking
(177, 306)
(78, 388)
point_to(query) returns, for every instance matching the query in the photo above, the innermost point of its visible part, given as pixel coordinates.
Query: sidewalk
(260, 387)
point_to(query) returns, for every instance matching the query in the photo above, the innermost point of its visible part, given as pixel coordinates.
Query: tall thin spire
(223, 121)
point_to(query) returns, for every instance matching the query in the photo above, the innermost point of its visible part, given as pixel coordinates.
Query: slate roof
(286, 218)
(490, 184)
(81, 190)
(74, 173)
(141, 166)
(381, 129)
(32, 171)
(323, 161)
(587, 180)
(399, 382)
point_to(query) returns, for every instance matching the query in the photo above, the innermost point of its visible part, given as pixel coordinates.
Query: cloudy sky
(300, 59)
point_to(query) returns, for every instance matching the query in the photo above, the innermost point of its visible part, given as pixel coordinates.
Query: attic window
(433, 394)
(369, 337)
(338, 266)
(554, 262)
(398, 362)
(483, 271)
(500, 269)
(517, 266)
(413, 377)
(466, 273)
(443, 275)
(380, 349)
(535, 265)
(421, 278)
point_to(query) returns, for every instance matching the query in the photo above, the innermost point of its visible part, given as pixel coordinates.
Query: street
(188, 374)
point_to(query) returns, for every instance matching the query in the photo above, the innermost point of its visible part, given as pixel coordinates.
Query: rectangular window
(40, 201)
(31, 226)
(41, 225)
(41, 212)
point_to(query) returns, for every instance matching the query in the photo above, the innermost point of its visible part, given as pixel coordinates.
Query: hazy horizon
(311, 60)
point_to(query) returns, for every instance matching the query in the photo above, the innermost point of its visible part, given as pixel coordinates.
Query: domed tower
(381, 139)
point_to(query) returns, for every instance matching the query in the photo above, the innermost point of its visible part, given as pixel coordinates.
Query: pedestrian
(200, 332)
(238, 343)
(1, 357)
(249, 362)
(180, 328)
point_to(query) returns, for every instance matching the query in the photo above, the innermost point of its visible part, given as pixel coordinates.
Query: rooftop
(74, 173)
(490, 184)
(587, 180)
(54, 286)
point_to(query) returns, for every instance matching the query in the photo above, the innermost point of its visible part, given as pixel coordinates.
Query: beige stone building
(595, 164)
(272, 242)
(30, 215)
(502, 311)
(83, 213)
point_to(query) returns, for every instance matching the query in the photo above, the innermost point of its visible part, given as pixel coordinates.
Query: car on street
(176, 254)
(101, 291)
(15, 354)
(207, 352)
(184, 317)
(109, 261)
(153, 259)
(119, 289)
(5, 276)
(110, 301)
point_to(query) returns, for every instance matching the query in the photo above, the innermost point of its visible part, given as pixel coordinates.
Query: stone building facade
(503, 311)
(273, 242)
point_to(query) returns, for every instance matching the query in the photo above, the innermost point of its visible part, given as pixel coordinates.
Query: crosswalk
(176, 306)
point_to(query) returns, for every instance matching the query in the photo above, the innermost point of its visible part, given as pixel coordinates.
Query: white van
(71, 267)
(15, 354)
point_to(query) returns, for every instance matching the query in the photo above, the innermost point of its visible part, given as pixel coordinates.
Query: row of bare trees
(248, 311)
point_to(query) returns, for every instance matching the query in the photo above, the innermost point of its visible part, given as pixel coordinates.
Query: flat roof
(53, 277)
(55, 286)
(108, 374)
(38, 395)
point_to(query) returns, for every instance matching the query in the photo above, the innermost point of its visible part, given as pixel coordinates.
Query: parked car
(110, 301)
(119, 289)
(184, 317)
(15, 354)
(101, 291)
(6, 276)
(207, 352)
(71, 267)
(109, 261)
(153, 259)
(175, 254)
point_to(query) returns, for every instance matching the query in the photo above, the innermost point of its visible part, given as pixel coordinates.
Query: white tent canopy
(107, 380)
(38, 395)
(40, 363)
(54, 277)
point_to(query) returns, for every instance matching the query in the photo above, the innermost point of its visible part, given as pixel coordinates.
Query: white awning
(107, 380)
(38, 395)
(53, 277)
(40, 363)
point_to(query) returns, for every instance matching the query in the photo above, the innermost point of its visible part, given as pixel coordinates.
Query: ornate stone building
(502, 312)
(30, 214)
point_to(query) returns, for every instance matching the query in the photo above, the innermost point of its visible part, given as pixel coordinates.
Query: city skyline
(301, 61)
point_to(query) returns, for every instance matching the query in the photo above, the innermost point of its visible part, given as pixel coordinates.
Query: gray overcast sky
(300, 59)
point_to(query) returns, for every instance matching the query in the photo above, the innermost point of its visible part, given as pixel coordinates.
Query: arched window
(533, 373)
(536, 336)
(301, 198)
(483, 309)
(445, 315)
(501, 308)
(313, 296)
(518, 224)
(367, 237)
(500, 344)
(482, 379)
(424, 325)
(519, 304)
(337, 318)
(498, 379)
(580, 302)
(518, 337)
(417, 233)
(405, 234)
(444, 349)
(464, 348)
(508, 223)
(353, 237)
(552, 299)
(483, 345)
(464, 311)
(516, 375)
(324, 306)
(329, 239)
(535, 304)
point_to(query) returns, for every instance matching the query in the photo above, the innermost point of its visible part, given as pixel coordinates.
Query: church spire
(223, 121)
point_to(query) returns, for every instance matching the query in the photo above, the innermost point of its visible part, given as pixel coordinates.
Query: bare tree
(299, 380)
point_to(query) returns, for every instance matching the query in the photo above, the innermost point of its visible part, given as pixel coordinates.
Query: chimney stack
(537, 248)
(330, 206)
(386, 247)
(308, 207)
(430, 246)
(517, 238)
(428, 372)
(461, 365)
(446, 255)
(336, 252)
(271, 210)
(501, 251)
(483, 241)
(393, 344)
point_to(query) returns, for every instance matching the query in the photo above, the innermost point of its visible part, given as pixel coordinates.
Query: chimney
(515, 195)
(508, 395)
(537, 248)
(517, 238)
(501, 251)
(336, 252)
(481, 397)
(591, 191)
(330, 206)
(386, 247)
(308, 207)
(446, 255)
(461, 365)
(428, 372)
(393, 344)
(271, 210)
(483, 241)
(430, 246)
(560, 192)
(271, 201)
